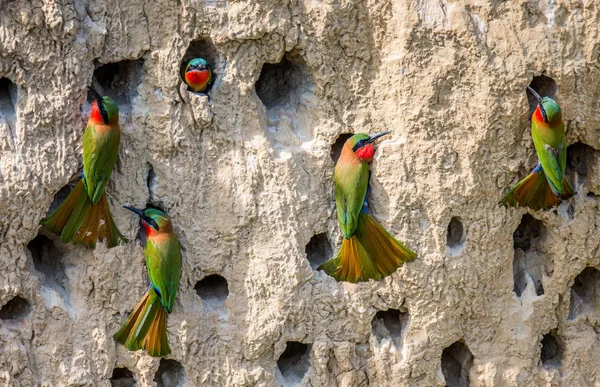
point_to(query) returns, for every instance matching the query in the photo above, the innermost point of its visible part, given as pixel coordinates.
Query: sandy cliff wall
(496, 296)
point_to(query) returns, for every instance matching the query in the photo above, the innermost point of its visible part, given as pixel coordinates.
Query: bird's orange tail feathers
(146, 327)
(534, 192)
(79, 221)
(371, 253)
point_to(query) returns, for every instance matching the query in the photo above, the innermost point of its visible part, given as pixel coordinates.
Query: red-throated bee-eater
(84, 216)
(368, 251)
(146, 326)
(198, 75)
(546, 185)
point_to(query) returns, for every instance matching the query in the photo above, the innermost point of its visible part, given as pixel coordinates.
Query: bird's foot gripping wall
(496, 297)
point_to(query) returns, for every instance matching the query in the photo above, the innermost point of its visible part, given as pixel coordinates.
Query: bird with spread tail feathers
(84, 216)
(368, 251)
(546, 186)
(146, 326)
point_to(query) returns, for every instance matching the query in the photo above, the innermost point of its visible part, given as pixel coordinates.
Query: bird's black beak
(145, 218)
(376, 136)
(95, 94)
(535, 94)
(136, 210)
(539, 99)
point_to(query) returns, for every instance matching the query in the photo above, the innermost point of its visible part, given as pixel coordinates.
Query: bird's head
(547, 110)
(197, 64)
(154, 221)
(104, 109)
(361, 145)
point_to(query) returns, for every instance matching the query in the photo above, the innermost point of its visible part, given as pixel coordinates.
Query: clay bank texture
(496, 297)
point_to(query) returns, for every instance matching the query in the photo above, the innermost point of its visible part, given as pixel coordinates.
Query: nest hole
(204, 48)
(545, 87)
(455, 236)
(530, 260)
(552, 350)
(318, 250)
(581, 160)
(293, 364)
(336, 148)
(122, 377)
(16, 308)
(8, 102)
(213, 290)
(170, 373)
(457, 361)
(391, 323)
(585, 293)
(47, 260)
(283, 83)
(120, 81)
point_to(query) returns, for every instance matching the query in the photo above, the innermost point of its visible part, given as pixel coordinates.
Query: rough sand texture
(247, 179)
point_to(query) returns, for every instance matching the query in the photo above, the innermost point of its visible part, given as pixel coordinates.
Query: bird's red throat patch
(95, 114)
(366, 152)
(197, 78)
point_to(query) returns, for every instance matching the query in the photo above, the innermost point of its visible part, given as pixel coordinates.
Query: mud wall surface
(496, 297)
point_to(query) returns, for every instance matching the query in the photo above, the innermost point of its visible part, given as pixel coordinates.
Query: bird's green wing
(163, 261)
(552, 159)
(350, 192)
(100, 151)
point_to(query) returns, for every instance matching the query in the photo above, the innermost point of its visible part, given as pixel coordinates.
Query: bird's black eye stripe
(154, 224)
(103, 112)
(359, 144)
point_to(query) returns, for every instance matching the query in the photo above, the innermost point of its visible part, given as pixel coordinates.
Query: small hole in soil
(336, 148)
(530, 258)
(283, 83)
(318, 250)
(455, 236)
(170, 374)
(122, 377)
(15, 309)
(585, 293)
(120, 81)
(47, 259)
(8, 103)
(62, 194)
(552, 350)
(213, 290)
(294, 363)
(391, 324)
(152, 183)
(456, 364)
(580, 157)
(545, 87)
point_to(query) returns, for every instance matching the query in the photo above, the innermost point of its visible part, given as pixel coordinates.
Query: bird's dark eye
(154, 224)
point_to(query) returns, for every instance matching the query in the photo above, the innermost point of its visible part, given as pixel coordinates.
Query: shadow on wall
(318, 250)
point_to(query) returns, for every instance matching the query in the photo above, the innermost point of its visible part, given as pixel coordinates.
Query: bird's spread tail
(79, 221)
(371, 253)
(146, 327)
(535, 192)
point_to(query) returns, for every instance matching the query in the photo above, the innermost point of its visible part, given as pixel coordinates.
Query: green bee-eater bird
(198, 75)
(368, 251)
(546, 185)
(146, 326)
(84, 216)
